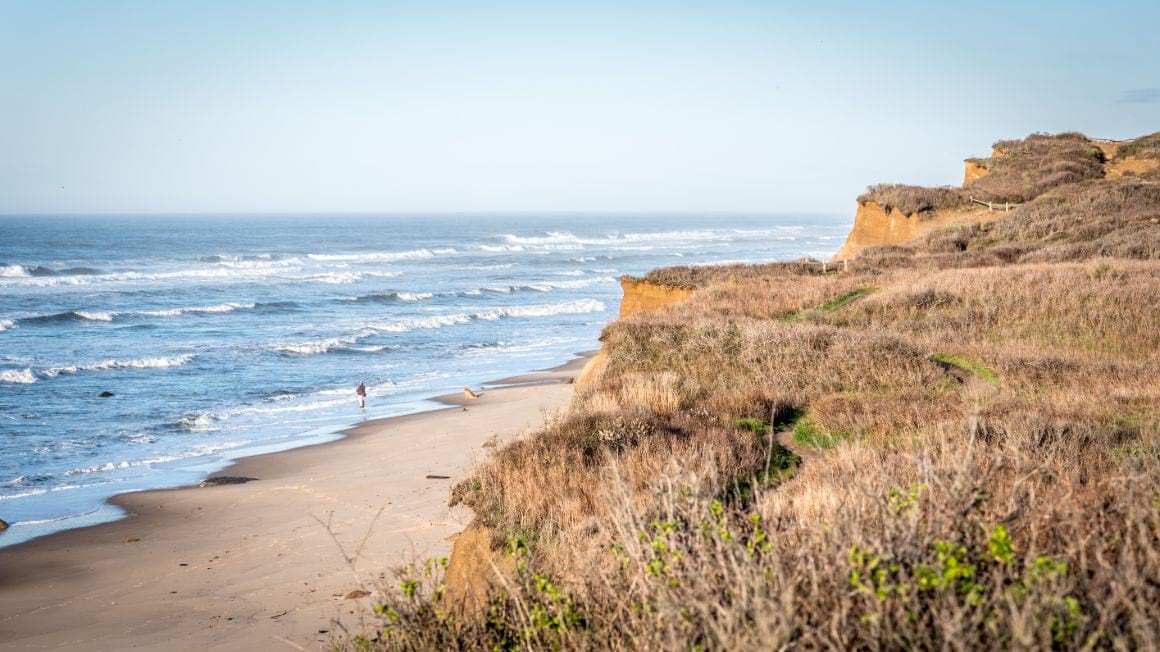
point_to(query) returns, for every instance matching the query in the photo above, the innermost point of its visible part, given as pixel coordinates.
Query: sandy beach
(259, 565)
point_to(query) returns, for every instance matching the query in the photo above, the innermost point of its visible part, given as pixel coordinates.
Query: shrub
(912, 199)
(1147, 147)
(1027, 168)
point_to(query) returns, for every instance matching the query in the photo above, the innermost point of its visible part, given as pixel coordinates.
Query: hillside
(953, 443)
(1036, 171)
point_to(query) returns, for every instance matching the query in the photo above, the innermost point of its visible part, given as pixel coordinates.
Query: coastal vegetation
(954, 443)
(912, 199)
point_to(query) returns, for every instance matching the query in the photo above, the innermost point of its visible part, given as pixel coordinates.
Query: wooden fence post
(823, 267)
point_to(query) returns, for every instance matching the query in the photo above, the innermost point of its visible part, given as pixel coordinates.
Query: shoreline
(270, 568)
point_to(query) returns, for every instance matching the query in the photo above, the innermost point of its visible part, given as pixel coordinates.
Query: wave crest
(106, 365)
(17, 376)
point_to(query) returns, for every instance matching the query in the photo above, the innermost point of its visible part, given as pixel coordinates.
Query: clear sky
(284, 106)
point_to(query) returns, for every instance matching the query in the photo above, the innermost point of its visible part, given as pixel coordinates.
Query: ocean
(224, 336)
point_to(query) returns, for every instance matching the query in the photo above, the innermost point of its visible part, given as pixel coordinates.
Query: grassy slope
(982, 412)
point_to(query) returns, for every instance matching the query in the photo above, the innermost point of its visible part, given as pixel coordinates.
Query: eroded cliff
(874, 226)
(638, 296)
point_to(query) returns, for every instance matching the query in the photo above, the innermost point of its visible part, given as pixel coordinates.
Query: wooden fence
(1005, 206)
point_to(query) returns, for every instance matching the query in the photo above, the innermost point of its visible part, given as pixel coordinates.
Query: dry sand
(250, 566)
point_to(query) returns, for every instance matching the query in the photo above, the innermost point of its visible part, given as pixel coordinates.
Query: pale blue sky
(165, 106)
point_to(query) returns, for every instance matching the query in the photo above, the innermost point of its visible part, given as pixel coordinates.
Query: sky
(158, 106)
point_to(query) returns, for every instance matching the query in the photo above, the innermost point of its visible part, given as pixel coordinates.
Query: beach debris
(225, 479)
(355, 594)
(470, 394)
(438, 477)
(132, 539)
(3, 525)
(106, 394)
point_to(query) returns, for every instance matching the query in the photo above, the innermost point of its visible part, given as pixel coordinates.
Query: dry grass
(1105, 218)
(912, 199)
(706, 275)
(1036, 164)
(980, 425)
(1147, 147)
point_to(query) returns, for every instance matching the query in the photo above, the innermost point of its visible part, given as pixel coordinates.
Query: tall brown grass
(912, 199)
(1144, 147)
(1029, 167)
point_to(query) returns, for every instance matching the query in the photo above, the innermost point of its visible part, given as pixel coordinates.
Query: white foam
(414, 296)
(563, 240)
(11, 271)
(95, 315)
(343, 278)
(579, 283)
(580, 306)
(488, 267)
(105, 365)
(316, 347)
(261, 263)
(545, 286)
(17, 376)
(263, 271)
(314, 401)
(325, 345)
(552, 237)
(175, 312)
(159, 459)
(383, 257)
(495, 249)
(418, 323)
(5, 324)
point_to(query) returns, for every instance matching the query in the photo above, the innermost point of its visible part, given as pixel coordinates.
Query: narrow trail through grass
(968, 365)
(834, 304)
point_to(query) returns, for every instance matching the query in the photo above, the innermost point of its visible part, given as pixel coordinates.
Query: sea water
(224, 336)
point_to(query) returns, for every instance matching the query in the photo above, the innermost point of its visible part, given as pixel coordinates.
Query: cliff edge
(638, 296)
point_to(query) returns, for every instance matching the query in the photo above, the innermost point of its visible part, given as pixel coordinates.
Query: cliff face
(474, 572)
(973, 171)
(639, 296)
(874, 226)
(642, 296)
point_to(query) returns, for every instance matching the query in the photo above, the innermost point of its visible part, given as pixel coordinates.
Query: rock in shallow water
(225, 479)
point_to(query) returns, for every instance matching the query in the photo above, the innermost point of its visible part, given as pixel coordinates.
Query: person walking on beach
(361, 391)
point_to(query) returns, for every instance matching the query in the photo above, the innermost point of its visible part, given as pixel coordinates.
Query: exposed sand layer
(250, 566)
(643, 296)
(874, 226)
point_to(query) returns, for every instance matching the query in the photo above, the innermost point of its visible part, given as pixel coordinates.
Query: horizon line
(495, 213)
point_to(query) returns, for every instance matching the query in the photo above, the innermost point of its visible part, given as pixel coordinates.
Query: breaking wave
(106, 365)
(380, 297)
(348, 342)
(382, 257)
(17, 376)
(110, 315)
